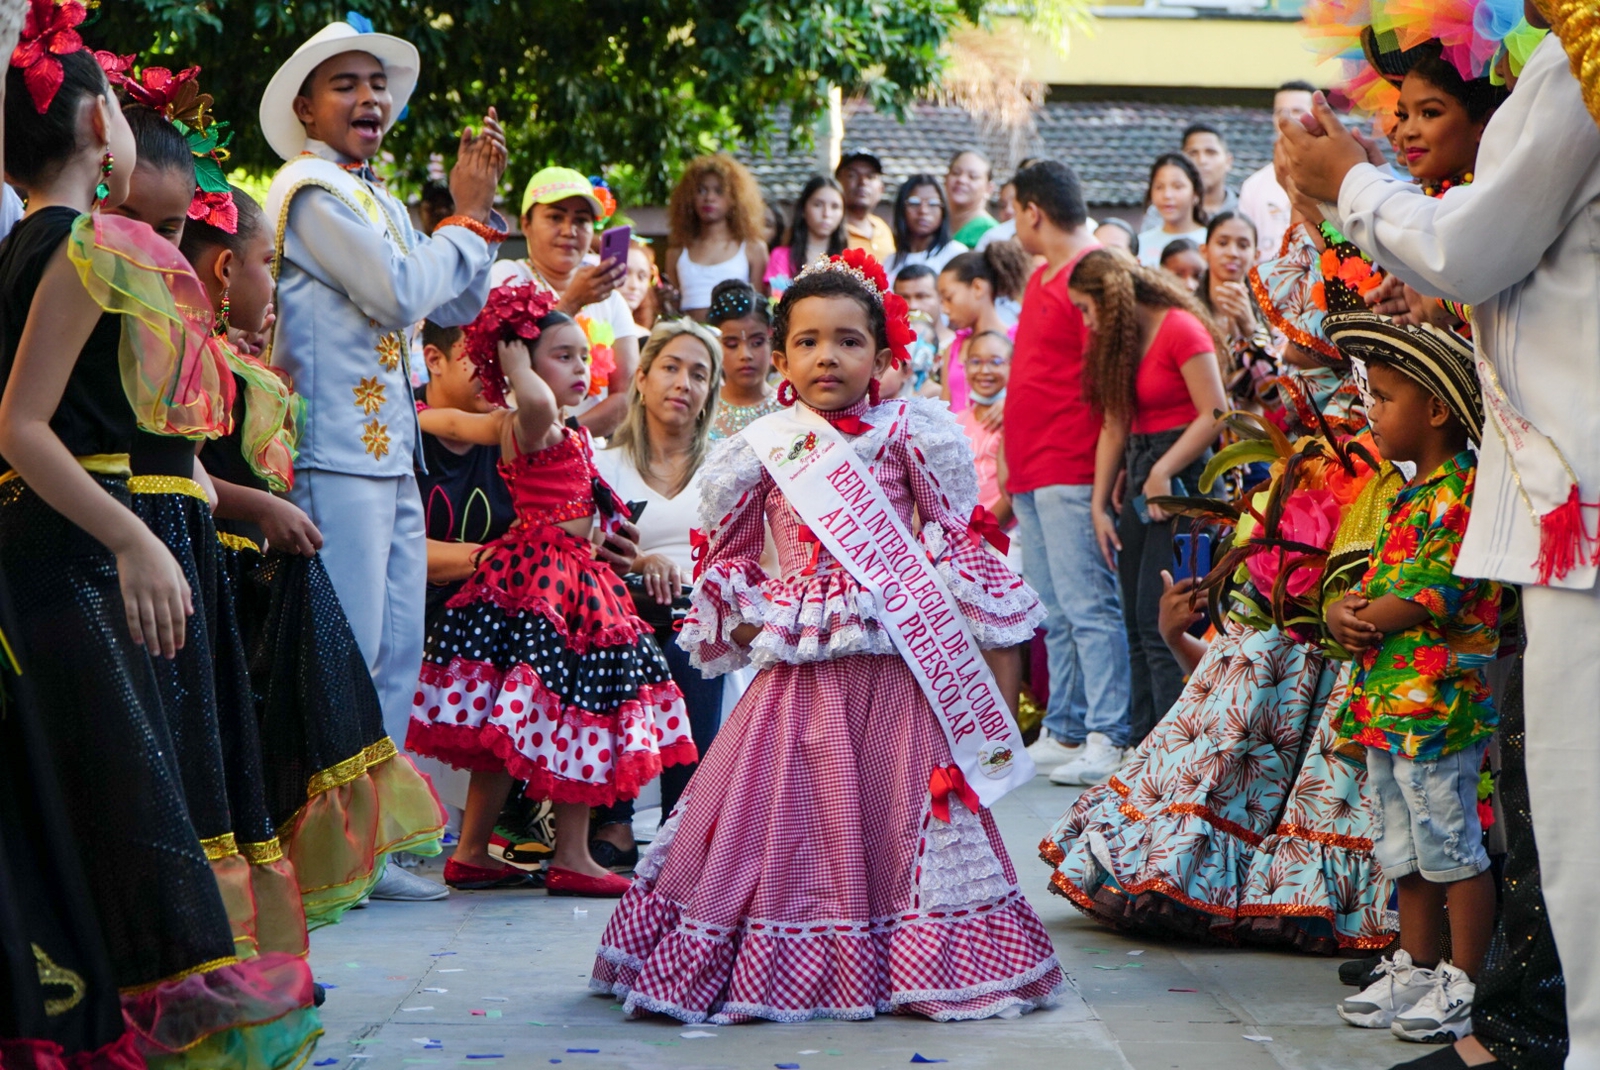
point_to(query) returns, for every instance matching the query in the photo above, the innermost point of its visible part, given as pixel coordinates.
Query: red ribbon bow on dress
(850, 425)
(985, 525)
(698, 544)
(948, 780)
(49, 32)
(805, 534)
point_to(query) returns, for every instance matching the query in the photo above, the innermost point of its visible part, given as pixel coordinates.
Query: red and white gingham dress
(803, 875)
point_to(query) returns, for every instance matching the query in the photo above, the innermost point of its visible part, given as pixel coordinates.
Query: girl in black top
(97, 594)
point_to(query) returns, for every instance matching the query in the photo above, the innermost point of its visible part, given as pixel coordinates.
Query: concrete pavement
(499, 980)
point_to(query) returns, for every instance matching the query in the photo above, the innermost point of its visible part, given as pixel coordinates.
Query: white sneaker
(1099, 759)
(1049, 753)
(402, 887)
(1399, 987)
(1444, 1015)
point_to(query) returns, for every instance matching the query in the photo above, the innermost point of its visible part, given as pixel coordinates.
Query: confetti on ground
(478, 1013)
(424, 1041)
(492, 1014)
(833, 1051)
(579, 912)
(410, 1009)
(396, 977)
(360, 1055)
(809, 1051)
(353, 965)
(787, 1066)
(1121, 966)
(326, 1062)
(925, 1059)
(487, 1055)
(492, 999)
(541, 1025)
(1094, 951)
(696, 1034)
(662, 1043)
(440, 990)
(440, 955)
(1183, 990)
(583, 1051)
(1136, 952)
(458, 969)
(1258, 1038)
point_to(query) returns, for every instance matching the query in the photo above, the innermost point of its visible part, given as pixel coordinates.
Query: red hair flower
(897, 317)
(48, 33)
(868, 265)
(115, 66)
(511, 313)
(216, 209)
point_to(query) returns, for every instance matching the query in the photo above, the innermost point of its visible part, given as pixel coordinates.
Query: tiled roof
(1110, 143)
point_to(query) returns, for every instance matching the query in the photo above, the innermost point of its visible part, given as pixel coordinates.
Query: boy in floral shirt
(1421, 637)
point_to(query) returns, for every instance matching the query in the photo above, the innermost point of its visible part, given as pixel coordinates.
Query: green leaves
(634, 87)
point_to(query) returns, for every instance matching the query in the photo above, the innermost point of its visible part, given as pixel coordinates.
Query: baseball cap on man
(557, 184)
(859, 154)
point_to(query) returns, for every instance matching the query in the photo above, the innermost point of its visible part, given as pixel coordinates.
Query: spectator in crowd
(716, 223)
(1261, 198)
(1181, 258)
(1230, 252)
(922, 226)
(743, 320)
(775, 226)
(641, 286)
(1208, 151)
(559, 209)
(1006, 204)
(986, 364)
(1152, 370)
(968, 185)
(436, 205)
(919, 285)
(1117, 233)
(1051, 430)
(655, 458)
(1006, 228)
(969, 287)
(861, 175)
(1174, 192)
(818, 231)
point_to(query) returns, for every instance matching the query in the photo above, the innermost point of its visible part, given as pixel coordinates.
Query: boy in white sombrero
(353, 277)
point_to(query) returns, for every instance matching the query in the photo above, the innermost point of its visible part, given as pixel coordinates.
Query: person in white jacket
(1519, 245)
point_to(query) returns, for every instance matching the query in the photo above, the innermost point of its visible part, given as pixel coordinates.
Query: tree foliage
(632, 87)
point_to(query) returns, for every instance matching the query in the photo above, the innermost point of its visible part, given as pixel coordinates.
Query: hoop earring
(872, 392)
(222, 313)
(102, 189)
(786, 394)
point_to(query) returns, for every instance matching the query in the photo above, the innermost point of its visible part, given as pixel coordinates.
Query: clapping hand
(479, 164)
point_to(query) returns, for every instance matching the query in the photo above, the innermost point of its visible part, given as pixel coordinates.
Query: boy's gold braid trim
(1577, 23)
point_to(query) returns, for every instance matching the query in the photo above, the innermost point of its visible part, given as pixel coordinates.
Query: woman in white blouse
(654, 458)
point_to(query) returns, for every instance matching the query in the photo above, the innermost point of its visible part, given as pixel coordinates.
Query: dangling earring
(786, 394)
(872, 392)
(222, 313)
(102, 190)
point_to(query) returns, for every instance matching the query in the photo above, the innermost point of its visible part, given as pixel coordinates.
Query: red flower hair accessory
(862, 265)
(512, 313)
(115, 66)
(49, 32)
(217, 209)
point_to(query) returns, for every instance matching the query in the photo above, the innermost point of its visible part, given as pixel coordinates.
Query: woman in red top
(1145, 373)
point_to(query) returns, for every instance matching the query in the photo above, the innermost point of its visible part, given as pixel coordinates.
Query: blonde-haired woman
(1145, 373)
(716, 222)
(654, 458)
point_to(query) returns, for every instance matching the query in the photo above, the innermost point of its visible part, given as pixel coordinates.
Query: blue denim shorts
(1428, 815)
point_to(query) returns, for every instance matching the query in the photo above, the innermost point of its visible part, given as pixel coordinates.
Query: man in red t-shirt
(1050, 435)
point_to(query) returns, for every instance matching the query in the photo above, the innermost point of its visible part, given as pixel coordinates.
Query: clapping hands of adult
(479, 164)
(1318, 151)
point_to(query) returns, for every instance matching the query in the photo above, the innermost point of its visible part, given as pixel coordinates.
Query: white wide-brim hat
(400, 60)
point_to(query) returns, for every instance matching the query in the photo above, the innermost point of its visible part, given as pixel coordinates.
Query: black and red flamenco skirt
(540, 667)
(187, 995)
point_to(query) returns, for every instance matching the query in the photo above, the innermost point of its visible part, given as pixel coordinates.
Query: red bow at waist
(985, 525)
(948, 780)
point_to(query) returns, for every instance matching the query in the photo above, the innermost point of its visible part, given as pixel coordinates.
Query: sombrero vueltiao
(400, 60)
(1440, 361)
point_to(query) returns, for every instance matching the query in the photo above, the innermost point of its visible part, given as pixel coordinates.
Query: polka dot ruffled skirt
(540, 667)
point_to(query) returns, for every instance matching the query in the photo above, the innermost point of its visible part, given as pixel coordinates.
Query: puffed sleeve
(728, 573)
(1002, 609)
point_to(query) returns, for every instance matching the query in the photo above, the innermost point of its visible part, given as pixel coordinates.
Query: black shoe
(1443, 1059)
(319, 995)
(612, 857)
(1359, 973)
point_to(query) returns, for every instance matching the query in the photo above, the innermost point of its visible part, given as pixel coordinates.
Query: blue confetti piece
(359, 22)
(440, 954)
(787, 1066)
(925, 1059)
(326, 1062)
(325, 984)
(583, 1051)
(495, 1056)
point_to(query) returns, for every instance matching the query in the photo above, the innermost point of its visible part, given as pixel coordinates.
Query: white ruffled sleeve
(1002, 609)
(727, 548)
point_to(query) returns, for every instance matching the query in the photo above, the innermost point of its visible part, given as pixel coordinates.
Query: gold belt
(103, 464)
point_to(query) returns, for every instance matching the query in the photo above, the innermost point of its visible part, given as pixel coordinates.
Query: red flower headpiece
(862, 265)
(49, 32)
(512, 312)
(178, 99)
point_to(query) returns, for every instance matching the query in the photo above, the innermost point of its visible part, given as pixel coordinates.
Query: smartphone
(636, 510)
(1191, 555)
(614, 244)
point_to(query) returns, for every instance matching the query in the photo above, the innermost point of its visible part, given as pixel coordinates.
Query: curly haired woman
(715, 222)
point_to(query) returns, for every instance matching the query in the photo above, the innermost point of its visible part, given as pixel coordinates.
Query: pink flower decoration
(1310, 517)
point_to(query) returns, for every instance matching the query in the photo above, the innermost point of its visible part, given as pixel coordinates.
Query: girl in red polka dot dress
(539, 670)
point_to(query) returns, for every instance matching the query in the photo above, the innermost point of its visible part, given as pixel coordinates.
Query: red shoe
(570, 882)
(476, 878)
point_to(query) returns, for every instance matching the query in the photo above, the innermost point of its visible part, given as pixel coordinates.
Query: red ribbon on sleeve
(985, 525)
(948, 780)
(698, 544)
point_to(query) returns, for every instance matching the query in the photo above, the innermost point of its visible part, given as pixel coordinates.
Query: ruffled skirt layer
(1313, 883)
(803, 874)
(186, 997)
(1166, 846)
(539, 667)
(341, 796)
